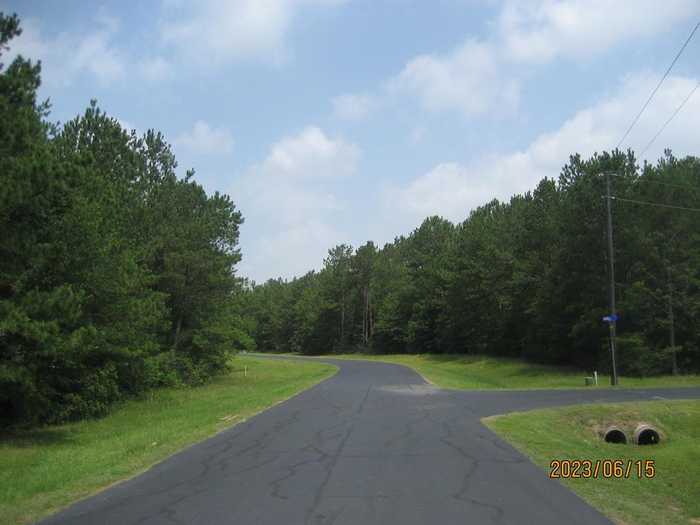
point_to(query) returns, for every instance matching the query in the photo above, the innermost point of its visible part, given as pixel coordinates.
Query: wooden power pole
(612, 319)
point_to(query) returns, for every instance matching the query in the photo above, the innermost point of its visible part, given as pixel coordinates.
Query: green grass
(477, 372)
(45, 469)
(671, 497)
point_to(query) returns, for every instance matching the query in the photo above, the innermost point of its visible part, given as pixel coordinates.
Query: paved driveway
(374, 444)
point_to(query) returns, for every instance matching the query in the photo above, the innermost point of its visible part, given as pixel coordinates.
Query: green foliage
(44, 469)
(573, 433)
(525, 279)
(636, 358)
(116, 276)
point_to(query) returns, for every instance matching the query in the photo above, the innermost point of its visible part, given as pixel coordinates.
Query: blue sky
(331, 121)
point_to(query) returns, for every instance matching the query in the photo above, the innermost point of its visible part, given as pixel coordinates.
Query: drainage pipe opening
(615, 435)
(646, 435)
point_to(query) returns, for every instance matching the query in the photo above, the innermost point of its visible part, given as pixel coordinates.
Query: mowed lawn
(481, 372)
(672, 496)
(45, 469)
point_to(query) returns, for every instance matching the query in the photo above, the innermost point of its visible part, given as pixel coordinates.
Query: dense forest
(527, 278)
(118, 276)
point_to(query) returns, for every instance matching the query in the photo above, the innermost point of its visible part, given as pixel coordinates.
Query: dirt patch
(410, 390)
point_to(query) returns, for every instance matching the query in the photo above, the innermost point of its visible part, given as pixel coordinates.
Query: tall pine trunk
(176, 335)
(342, 317)
(671, 320)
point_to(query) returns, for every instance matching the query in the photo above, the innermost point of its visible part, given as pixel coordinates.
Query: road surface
(374, 444)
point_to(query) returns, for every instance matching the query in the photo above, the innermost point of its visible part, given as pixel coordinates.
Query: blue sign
(610, 318)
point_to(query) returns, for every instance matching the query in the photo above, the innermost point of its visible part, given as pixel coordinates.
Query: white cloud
(291, 201)
(539, 31)
(452, 189)
(353, 106)
(484, 76)
(470, 79)
(602, 125)
(287, 253)
(95, 55)
(445, 190)
(220, 30)
(311, 154)
(66, 56)
(155, 68)
(204, 139)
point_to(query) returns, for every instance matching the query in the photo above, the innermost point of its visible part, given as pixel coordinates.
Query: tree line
(526, 278)
(116, 276)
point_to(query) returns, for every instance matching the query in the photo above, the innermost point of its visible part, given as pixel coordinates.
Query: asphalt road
(374, 444)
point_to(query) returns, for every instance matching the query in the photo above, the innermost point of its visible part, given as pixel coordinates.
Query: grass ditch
(45, 469)
(574, 433)
(483, 372)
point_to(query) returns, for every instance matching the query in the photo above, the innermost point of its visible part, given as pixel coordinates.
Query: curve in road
(374, 444)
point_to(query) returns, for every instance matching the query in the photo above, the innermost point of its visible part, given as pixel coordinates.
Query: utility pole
(611, 259)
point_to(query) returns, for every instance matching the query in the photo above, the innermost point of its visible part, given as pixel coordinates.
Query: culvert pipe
(646, 435)
(615, 434)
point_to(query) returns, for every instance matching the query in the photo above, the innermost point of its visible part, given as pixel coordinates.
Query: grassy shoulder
(481, 372)
(45, 469)
(669, 497)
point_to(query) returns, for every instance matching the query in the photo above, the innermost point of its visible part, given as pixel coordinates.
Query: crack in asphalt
(373, 444)
(324, 483)
(276, 484)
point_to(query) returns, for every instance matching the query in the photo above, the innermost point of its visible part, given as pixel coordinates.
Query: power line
(657, 204)
(658, 86)
(642, 181)
(678, 109)
(612, 318)
(680, 186)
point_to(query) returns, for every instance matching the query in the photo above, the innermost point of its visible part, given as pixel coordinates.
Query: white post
(595, 375)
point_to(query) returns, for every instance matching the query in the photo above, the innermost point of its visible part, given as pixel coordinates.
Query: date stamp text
(602, 468)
